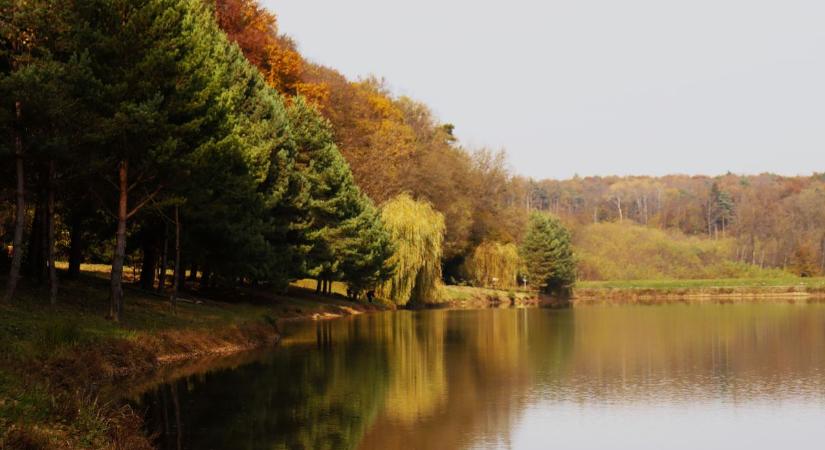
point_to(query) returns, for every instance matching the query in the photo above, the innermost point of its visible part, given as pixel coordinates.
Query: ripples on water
(635, 377)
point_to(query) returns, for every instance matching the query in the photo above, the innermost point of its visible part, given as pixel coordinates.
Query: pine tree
(365, 250)
(156, 62)
(45, 79)
(330, 196)
(548, 256)
(234, 179)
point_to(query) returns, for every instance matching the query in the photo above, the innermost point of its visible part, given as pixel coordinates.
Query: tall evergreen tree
(155, 59)
(241, 171)
(45, 80)
(365, 249)
(330, 196)
(548, 255)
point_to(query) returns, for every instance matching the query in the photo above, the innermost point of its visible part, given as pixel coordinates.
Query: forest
(193, 137)
(189, 136)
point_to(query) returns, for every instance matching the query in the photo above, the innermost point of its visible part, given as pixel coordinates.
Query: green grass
(30, 326)
(80, 315)
(704, 283)
(309, 284)
(447, 293)
(463, 293)
(34, 334)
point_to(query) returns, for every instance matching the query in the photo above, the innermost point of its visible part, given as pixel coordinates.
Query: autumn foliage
(255, 30)
(393, 145)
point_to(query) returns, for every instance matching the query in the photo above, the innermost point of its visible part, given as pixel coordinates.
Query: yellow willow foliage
(494, 264)
(417, 231)
(418, 375)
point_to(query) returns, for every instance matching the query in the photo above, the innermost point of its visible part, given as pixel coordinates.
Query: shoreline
(697, 294)
(117, 367)
(70, 395)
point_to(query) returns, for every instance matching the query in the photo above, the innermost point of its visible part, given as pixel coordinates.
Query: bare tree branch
(143, 202)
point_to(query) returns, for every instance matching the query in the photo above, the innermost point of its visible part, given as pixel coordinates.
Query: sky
(595, 87)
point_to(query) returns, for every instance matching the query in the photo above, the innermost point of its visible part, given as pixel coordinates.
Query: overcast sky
(595, 87)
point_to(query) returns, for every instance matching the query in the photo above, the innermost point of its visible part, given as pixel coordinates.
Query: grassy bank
(456, 296)
(662, 290)
(57, 361)
(472, 297)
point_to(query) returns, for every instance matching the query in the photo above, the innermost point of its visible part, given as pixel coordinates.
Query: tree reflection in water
(465, 379)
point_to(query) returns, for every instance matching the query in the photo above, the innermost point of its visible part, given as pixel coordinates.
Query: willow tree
(417, 231)
(494, 264)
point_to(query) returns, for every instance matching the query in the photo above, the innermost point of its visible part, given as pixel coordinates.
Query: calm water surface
(596, 377)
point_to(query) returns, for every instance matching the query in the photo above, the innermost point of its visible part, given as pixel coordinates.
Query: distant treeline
(774, 221)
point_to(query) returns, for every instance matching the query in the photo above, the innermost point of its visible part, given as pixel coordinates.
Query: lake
(708, 376)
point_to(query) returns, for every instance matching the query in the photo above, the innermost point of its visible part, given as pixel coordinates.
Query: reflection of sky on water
(756, 425)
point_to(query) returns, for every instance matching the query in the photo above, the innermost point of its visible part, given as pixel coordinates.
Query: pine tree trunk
(147, 270)
(75, 246)
(43, 261)
(20, 219)
(178, 266)
(193, 272)
(50, 236)
(204, 281)
(34, 260)
(116, 294)
(318, 286)
(182, 275)
(164, 260)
